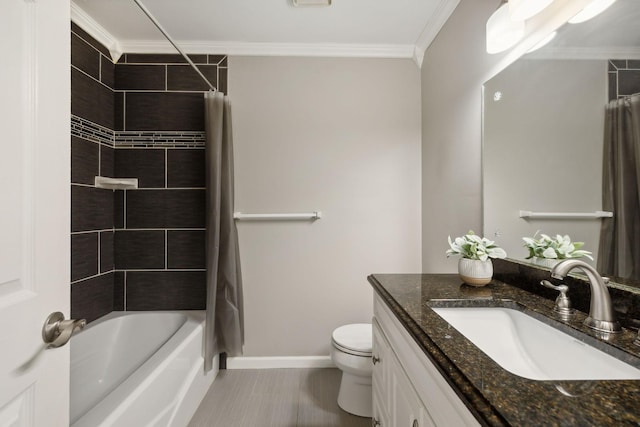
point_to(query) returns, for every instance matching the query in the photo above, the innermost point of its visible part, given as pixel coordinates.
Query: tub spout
(601, 316)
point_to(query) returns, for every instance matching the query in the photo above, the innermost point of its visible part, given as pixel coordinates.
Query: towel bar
(278, 216)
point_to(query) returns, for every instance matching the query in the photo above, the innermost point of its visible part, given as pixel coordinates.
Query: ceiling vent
(311, 2)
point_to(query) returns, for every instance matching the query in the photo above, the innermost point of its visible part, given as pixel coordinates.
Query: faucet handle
(563, 303)
(560, 288)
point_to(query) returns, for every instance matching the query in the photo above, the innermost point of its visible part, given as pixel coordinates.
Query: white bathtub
(139, 369)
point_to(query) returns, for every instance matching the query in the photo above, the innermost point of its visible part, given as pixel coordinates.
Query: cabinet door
(408, 410)
(380, 416)
(394, 398)
(430, 389)
(381, 357)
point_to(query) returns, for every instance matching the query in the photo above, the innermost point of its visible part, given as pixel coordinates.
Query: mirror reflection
(562, 143)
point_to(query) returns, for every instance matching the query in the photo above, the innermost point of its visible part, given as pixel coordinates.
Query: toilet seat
(355, 339)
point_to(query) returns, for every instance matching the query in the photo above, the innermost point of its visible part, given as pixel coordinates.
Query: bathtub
(139, 369)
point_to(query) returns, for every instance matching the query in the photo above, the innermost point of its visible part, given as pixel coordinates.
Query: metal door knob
(57, 331)
(375, 360)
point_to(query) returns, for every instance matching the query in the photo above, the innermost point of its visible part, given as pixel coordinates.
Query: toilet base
(355, 396)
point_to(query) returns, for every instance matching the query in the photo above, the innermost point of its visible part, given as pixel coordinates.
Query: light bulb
(543, 42)
(519, 10)
(591, 10)
(502, 31)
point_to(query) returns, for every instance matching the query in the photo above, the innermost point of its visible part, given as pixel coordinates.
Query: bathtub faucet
(57, 331)
(601, 317)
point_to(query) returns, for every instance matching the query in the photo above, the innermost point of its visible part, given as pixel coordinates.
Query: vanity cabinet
(408, 390)
(395, 401)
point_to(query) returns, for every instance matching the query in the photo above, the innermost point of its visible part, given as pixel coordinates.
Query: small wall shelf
(116, 183)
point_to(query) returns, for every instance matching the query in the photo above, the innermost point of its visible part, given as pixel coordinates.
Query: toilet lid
(354, 339)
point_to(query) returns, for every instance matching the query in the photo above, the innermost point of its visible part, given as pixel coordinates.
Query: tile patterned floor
(275, 398)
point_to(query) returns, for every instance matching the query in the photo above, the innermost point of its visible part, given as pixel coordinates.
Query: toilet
(351, 353)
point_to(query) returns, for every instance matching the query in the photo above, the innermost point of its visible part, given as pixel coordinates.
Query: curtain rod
(168, 37)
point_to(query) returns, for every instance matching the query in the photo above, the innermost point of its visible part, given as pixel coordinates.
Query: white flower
(559, 248)
(474, 247)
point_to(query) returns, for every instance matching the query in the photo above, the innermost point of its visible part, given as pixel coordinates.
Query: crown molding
(272, 49)
(431, 29)
(97, 31)
(586, 53)
(118, 47)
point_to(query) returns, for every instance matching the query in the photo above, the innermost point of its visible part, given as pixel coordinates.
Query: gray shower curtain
(224, 329)
(619, 251)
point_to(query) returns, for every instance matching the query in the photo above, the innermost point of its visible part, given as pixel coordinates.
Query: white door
(34, 209)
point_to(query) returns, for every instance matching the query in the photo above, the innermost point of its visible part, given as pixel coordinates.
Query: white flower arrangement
(559, 248)
(472, 246)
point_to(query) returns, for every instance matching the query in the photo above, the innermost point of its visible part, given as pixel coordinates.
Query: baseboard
(279, 362)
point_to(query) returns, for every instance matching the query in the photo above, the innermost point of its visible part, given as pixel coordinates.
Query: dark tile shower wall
(159, 139)
(143, 117)
(624, 78)
(92, 153)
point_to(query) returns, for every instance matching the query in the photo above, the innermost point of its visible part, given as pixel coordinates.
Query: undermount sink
(532, 349)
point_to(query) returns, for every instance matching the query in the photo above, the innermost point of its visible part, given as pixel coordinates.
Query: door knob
(57, 331)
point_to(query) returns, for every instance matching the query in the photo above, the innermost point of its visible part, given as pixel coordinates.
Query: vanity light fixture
(502, 31)
(591, 10)
(519, 10)
(311, 2)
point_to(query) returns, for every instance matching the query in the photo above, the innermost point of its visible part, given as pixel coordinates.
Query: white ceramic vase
(475, 272)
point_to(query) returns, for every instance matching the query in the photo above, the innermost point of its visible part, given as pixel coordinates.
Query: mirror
(543, 130)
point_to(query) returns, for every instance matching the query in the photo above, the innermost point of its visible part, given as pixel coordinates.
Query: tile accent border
(90, 131)
(177, 139)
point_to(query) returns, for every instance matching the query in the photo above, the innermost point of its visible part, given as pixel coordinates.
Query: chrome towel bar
(565, 215)
(278, 216)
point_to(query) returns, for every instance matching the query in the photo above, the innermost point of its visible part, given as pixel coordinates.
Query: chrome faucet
(601, 316)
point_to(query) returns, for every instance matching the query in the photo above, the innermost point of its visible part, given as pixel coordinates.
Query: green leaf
(549, 253)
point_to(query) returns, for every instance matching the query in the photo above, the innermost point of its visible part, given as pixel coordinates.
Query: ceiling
(364, 28)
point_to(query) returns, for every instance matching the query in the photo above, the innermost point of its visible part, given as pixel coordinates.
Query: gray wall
(337, 135)
(455, 67)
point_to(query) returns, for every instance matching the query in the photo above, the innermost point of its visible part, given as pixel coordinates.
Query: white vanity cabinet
(381, 383)
(408, 391)
(395, 402)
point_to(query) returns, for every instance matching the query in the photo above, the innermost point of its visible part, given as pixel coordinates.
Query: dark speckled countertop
(496, 396)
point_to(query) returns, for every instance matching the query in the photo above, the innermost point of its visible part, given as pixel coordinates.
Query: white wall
(337, 135)
(543, 149)
(454, 69)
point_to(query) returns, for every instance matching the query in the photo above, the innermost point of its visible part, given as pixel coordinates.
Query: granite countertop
(495, 396)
